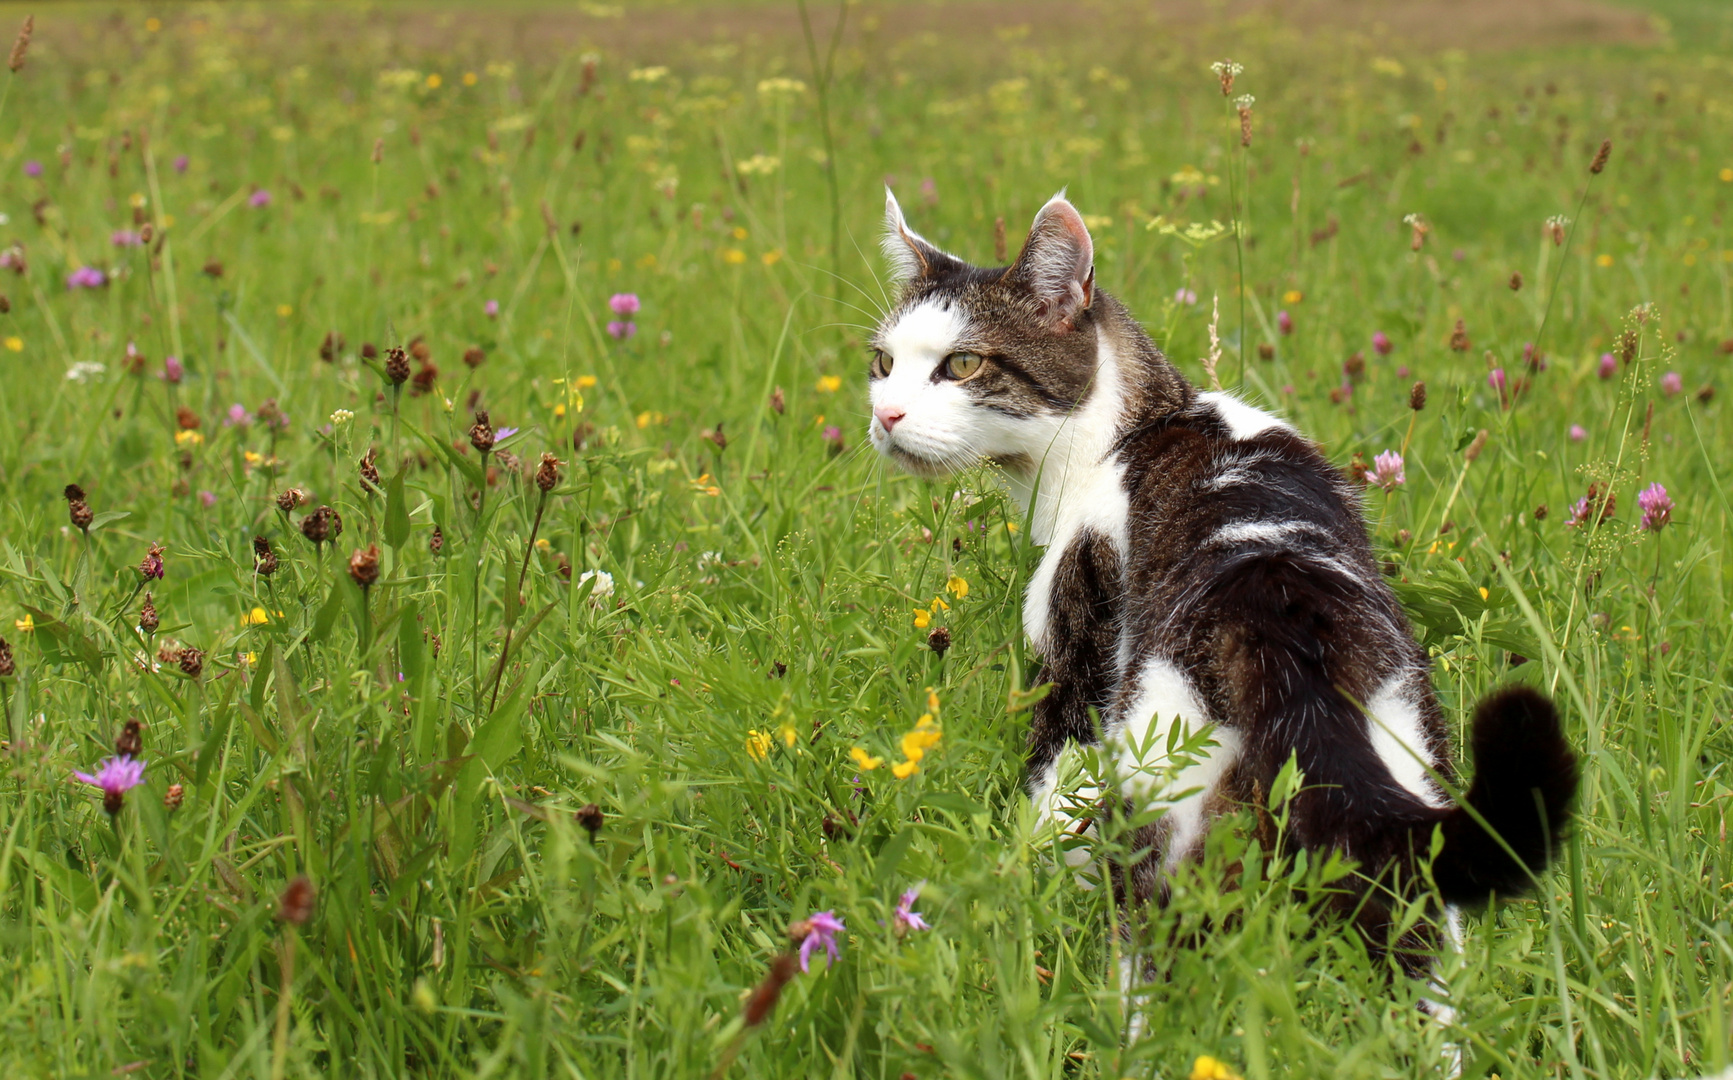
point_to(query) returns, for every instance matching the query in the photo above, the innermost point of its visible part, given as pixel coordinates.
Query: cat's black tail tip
(1525, 779)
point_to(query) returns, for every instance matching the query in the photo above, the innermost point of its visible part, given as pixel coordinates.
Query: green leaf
(498, 740)
(891, 854)
(327, 616)
(107, 516)
(62, 643)
(952, 802)
(470, 470)
(396, 526)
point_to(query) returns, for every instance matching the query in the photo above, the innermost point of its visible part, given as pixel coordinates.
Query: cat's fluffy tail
(1525, 778)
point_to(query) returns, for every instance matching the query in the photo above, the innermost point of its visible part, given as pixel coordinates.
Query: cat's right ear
(909, 253)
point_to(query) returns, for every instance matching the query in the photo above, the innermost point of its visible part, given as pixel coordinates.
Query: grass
(765, 572)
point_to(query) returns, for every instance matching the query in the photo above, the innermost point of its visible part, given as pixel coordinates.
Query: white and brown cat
(1204, 565)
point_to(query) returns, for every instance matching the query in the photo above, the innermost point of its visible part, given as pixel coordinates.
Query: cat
(1204, 564)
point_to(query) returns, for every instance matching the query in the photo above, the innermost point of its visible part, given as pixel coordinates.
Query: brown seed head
(22, 44)
(1540, 512)
(1355, 366)
(73, 493)
(264, 559)
(1706, 393)
(317, 525)
(778, 403)
(1459, 337)
(436, 541)
(1475, 447)
(1266, 351)
(715, 435)
(369, 351)
(425, 377)
(213, 268)
(289, 498)
(764, 996)
(172, 798)
(130, 741)
(1515, 282)
(186, 419)
(296, 903)
(548, 475)
(8, 666)
(369, 471)
(81, 515)
(420, 351)
(192, 661)
(1245, 124)
(939, 640)
(396, 366)
(1601, 156)
(331, 346)
(1628, 342)
(148, 620)
(591, 818)
(481, 432)
(364, 566)
(474, 356)
(1417, 396)
(378, 150)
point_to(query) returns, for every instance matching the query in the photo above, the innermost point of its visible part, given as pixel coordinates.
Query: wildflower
(172, 798)
(1208, 1068)
(1243, 104)
(1184, 296)
(86, 277)
(1387, 471)
(1609, 366)
(259, 199)
(1496, 379)
(1601, 157)
(364, 566)
(923, 618)
(436, 542)
(491, 309)
(1417, 396)
(207, 498)
(865, 760)
(173, 371)
(621, 329)
(321, 525)
(958, 587)
(481, 433)
(833, 435)
(8, 666)
(237, 416)
(1671, 383)
(181, 162)
(77, 509)
(1593, 509)
(1459, 337)
(548, 475)
(396, 366)
(1381, 343)
(1226, 71)
(151, 566)
(473, 357)
(1657, 508)
(829, 384)
(188, 437)
(603, 588)
(906, 918)
(130, 742)
(590, 817)
(289, 498)
(1555, 228)
(264, 559)
(817, 931)
(939, 641)
(296, 903)
(1533, 357)
(116, 777)
(33, 168)
(624, 303)
(758, 744)
(192, 662)
(25, 625)
(1284, 322)
(125, 238)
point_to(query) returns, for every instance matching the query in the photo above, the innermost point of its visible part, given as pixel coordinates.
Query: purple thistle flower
(116, 777)
(907, 919)
(33, 168)
(624, 303)
(622, 329)
(86, 277)
(1578, 433)
(259, 199)
(491, 309)
(181, 163)
(125, 238)
(1609, 366)
(1284, 322)
(1671, 383)
(502, 434)
(822, 929)
(238, 416)
(1495, 379)
(173, 371)
(1387, 471)
(833, 435)
(1185, 296)
(208, 499)
(1579, 514)
(1381, 343)
(1657, 508)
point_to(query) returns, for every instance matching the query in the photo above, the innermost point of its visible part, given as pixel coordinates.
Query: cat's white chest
(1091, 500)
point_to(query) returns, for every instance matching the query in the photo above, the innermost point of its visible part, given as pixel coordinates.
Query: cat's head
(983, 363)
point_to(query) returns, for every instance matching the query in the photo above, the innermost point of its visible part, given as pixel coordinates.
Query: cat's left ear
(1058, 263)
(910, 255)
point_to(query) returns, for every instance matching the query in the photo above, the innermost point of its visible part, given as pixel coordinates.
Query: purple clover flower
(1579, 513)
(1671, 383)
(181, 163)
(125, 238)
(1609, 366)
(1387, 471)
(238, 416)
(1183, 295)
(624, 303)
(33, 168)
(906, 918)
(86, 277)
(622, 329)
(1495, 379)
(1657, 508)
(1284, 322)
(491, 309)
(502, 434)
(1578, 433)
(259, 199)
(1381, 343)
(822, 929)
(173, 371)
(116, 777)
(208, 499)
(833, 435)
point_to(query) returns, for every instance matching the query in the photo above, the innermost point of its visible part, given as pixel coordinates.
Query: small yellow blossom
(740, 232)
(932, 701)
(790, 734)
(1208, 1068)
(734, 256)
(1293, 296)
(1484, 594)
(284, 311)
(584, 382)
(15, 343)
(252, 457)
(758, 744)
(829, 384)
(923, 618)
(542, 544)
(648, 74)
(958, 588)
(940, 605)
(1727, 176)
(770, 258)
(469, 78)
(902, 770)
(433, 81)
(153, 24)
(188, 438)
(256, 617)
(25, 625)
(1603, 260)
(865, 760)
(559, 408)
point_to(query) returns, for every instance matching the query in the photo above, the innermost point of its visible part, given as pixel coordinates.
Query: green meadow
(528, 766)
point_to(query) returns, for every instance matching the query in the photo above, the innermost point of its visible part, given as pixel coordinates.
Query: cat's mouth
(928, 465)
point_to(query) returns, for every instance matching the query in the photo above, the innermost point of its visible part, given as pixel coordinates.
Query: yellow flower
(939, 603)
(1727, 176)
(256, 617)
(1208, 1068)
(1603, 260)
(917, 742)
(15, 343)
(542, 543)
(1293, 296)
(758, 744)
(584, 382)
(469, 78)
(958, 588)
(740, 232)
(153, 24)
(865, 760)
(433, 81)
(250, 658)
(25, 625)
(923, 618)
(1484, 594)
(902, 770)
(284, 311)
(788, 732)
(932, 702)
(829, 384)
(559, 408)
(770, 258)
(734, 256)
(252, 457)
(188, 438)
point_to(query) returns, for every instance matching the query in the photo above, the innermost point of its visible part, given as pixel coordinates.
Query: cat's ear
(1057, 263)
(909, 253)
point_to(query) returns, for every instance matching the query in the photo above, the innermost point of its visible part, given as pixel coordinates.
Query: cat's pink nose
(888, 416)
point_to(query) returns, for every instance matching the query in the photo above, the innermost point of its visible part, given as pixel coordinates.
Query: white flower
(342, 416)
(709, 558)
(604, 586)
(84, 371)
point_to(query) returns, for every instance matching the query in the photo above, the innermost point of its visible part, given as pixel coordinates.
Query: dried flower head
(21, 45)
(1475, 447)
(331, 346)
(1243, 104)
(264, 559)
(130, 741)
(436, 542)
(173, 797)
(1459, 337)
(323, 525)
(77, 509)
(1226, 71)
(764, 996)
(289, 498)
(939, 640)
(8, 666)
(1418, 230)
(192, 661)
(548, 474)
(364, 566)
(590, 817)
(151, 566)
(148, 620)
(1601, 156)
(481, 434)
(778, 403)
(1555, 228)
(474, 357)
(396, 366)
(369, 471)
(1515, 281)
(296, 904)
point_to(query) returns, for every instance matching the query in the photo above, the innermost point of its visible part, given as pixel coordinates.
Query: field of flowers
(454, 625)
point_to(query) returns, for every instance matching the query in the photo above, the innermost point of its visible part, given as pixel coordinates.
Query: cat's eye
(962, 365)
(881, 363)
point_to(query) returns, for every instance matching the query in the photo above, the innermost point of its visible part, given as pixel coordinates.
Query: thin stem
(475, 611)
(523, 572)
(822, 80)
